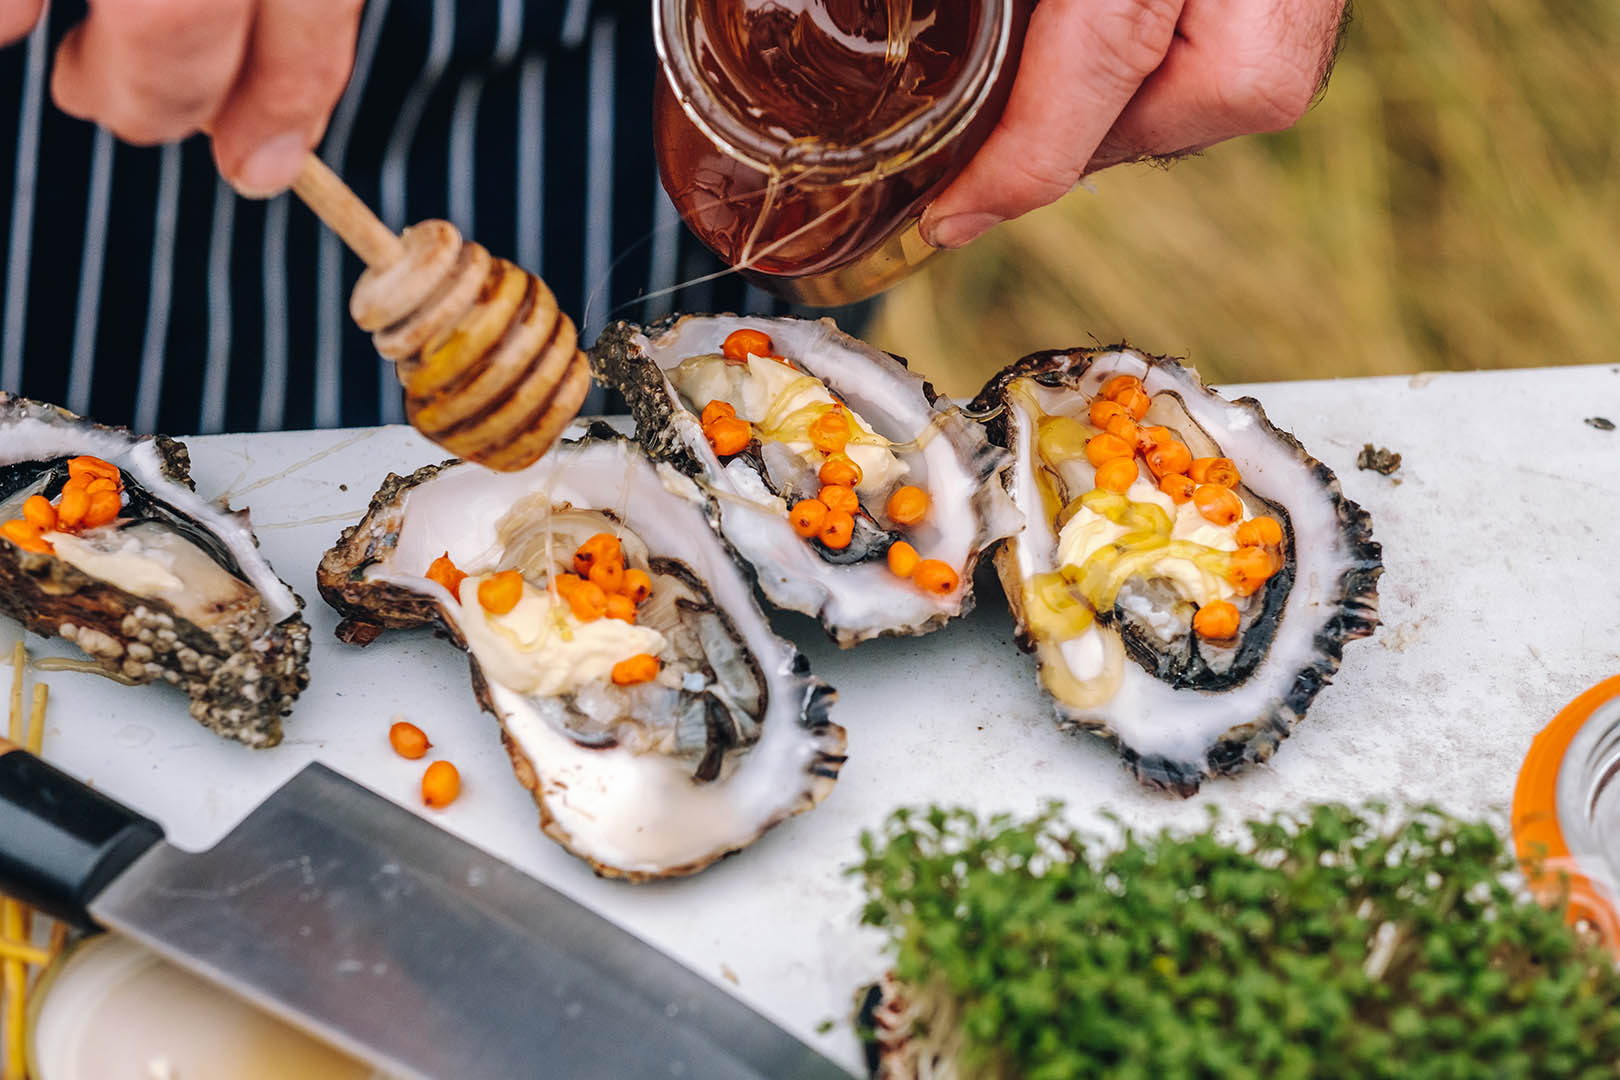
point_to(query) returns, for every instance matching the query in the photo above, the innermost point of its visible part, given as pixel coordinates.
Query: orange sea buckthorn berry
(1136, 402)
(1260, 532)
(1216, 621)
(1177, 486)
(830, 431)
(807, 516)
(1117, 475)
(1249, 569)
(903, 559)
(446, 573)
(1155, 435)
(600, 546)
(716, 410)
(1124, 429)
(837, 528)
(621, 607)
(104, 509)
(839, 470)
(500, 593)
(1103, 410)
(101, 483)
(88, 467)
(834, 497)
(729, 435)
(408, 740)
(1217, 504)
(566, 583)
(25, 536)
(1167, 458)
(608, 575)
(637, 585)
(587, 601)
(38, 512)
(935, 576)
(71, 508)
(1116, 386)
(1105, 447)
(908, 505)
(441, 784)
(740, 344)
(638, 669)
(1214, 470)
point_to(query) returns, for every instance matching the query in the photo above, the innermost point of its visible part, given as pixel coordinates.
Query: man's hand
(1106, 81)
(262, 76)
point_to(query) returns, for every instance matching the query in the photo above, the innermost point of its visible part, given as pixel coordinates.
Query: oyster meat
(643, 698)
(853, 495)
(147, 578)
(1188, 574)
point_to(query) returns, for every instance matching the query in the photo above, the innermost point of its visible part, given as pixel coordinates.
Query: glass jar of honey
(802, 139)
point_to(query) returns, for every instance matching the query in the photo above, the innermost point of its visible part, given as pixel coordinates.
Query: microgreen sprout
(1329, 942)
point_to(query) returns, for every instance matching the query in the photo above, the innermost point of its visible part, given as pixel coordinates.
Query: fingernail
(960, 229)
(273, 167)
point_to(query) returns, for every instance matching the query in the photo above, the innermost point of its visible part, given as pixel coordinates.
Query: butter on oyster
(642, 696)
(854, 496)
(1188, 574)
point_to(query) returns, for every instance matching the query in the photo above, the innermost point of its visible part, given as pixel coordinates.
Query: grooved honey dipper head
(492, 370)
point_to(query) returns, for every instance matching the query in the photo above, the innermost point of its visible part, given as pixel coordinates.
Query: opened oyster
(643, 698)
(834, 475)
(1188, 575)
(107, 545)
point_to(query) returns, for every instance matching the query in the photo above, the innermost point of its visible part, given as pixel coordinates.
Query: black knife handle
(60, 841)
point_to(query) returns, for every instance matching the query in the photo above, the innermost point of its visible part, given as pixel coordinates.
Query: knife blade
(372, 929)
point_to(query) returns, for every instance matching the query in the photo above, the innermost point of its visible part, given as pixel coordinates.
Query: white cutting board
(1500, 603)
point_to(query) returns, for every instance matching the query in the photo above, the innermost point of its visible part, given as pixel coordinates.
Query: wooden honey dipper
(492, 370)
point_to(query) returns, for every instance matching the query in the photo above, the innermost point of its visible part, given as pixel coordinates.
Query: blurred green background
(1453, 202)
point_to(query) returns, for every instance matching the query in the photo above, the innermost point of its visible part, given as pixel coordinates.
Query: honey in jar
(802, 139)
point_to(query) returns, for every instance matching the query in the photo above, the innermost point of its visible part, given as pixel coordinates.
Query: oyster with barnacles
(853, 495)
(643, 698)
(1188, 574)
(103, 542)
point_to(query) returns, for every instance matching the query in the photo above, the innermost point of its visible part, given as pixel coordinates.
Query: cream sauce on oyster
(540, 647)
(781, 403)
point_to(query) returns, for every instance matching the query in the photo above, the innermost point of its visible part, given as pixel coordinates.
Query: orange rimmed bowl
(1566, 811)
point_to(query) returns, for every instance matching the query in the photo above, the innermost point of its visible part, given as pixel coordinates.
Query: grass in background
(1453, 202)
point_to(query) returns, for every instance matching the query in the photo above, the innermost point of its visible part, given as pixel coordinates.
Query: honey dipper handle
(342, 210)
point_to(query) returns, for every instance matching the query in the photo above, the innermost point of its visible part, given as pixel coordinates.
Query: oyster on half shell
(643, 777)
(811, 398)
(172, 588)
(1188, 606)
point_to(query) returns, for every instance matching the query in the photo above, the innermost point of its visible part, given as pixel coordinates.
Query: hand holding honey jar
(827, 147)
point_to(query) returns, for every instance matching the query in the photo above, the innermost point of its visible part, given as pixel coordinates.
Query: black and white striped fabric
(139, 289)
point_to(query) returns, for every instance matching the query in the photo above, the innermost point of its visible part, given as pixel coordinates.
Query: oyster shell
(648, 780)
(1104, 585)
(173, 589)
(898, 438)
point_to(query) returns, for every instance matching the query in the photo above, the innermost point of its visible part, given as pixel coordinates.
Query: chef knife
(383, 935)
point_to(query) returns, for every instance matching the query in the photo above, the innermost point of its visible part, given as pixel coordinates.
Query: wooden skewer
(335, 203)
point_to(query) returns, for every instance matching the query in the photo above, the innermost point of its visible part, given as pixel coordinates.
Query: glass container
(1566, 811)
(802, 139)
